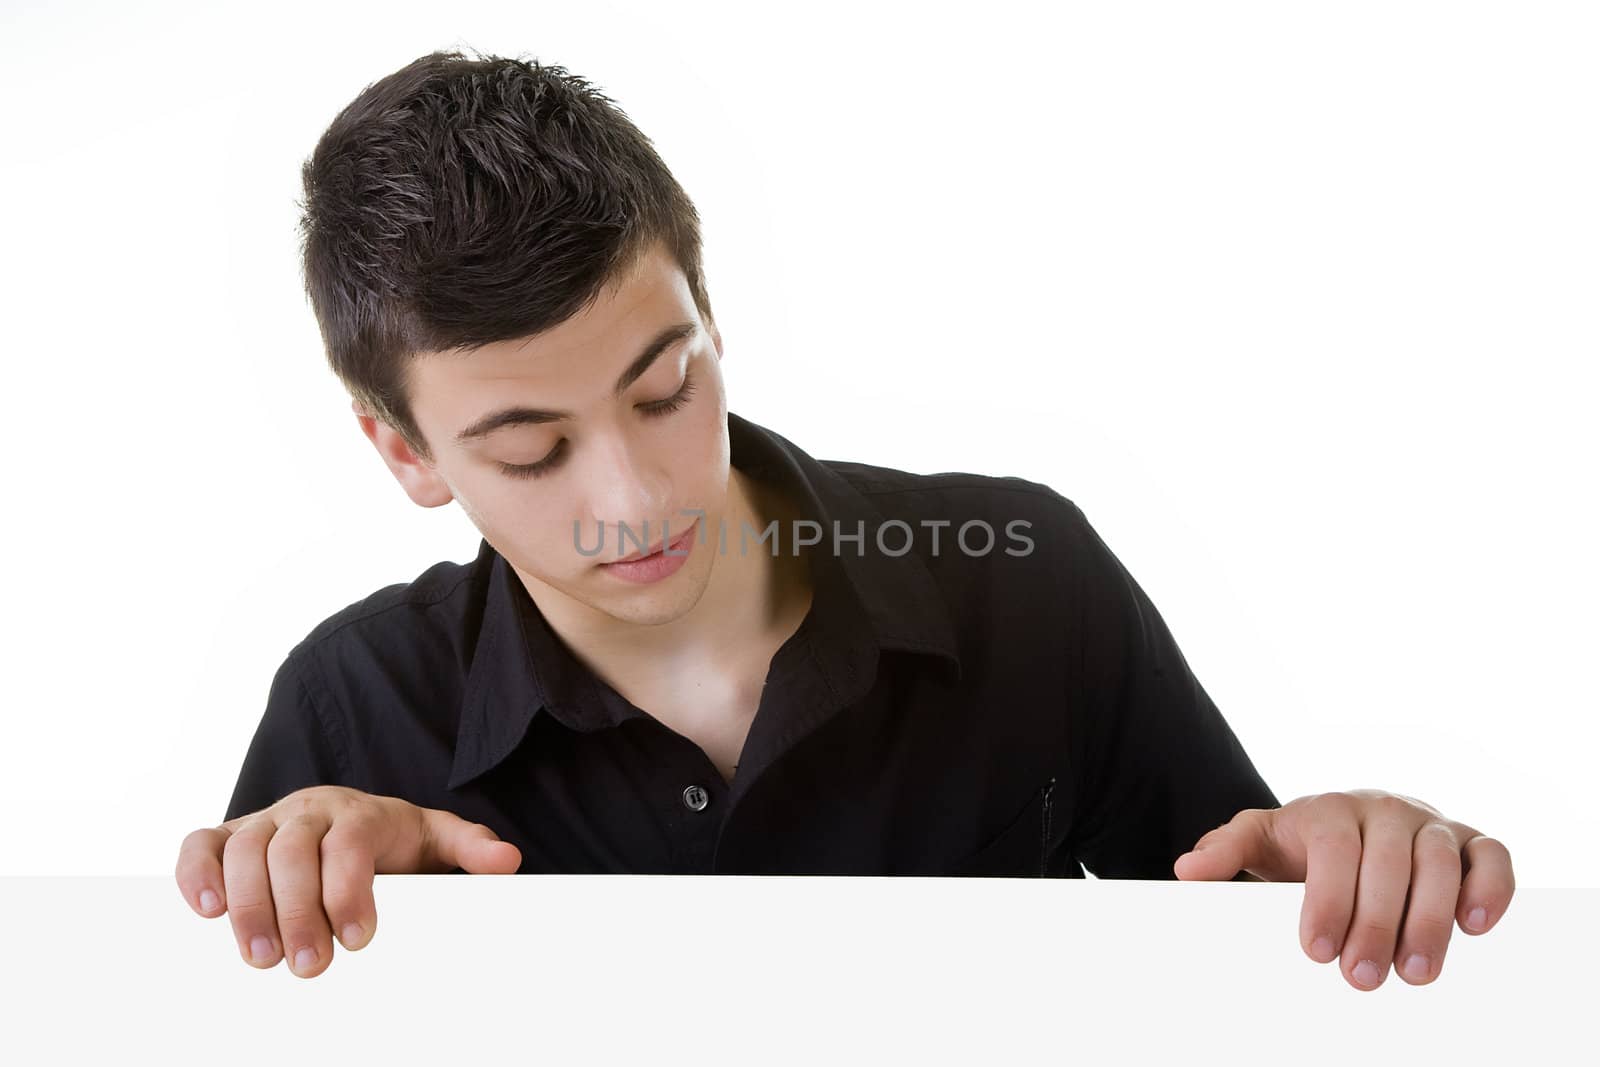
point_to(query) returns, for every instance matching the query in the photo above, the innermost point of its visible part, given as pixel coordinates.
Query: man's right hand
(292, 874)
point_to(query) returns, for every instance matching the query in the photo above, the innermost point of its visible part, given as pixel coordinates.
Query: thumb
(452, 841)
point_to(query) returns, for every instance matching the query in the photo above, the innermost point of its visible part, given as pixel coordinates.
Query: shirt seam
(332, 728)
(868, 490)
(1072, 755)
(408, 603)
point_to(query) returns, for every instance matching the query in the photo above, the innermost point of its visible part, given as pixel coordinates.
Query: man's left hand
(1386, 877)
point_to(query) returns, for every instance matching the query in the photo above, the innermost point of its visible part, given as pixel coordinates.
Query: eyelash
(656, 410)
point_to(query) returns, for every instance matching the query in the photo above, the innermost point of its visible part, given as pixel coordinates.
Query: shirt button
(696, 798)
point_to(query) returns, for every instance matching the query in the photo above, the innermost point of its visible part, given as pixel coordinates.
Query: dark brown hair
(459, 202)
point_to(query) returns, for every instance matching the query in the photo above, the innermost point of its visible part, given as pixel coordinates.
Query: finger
(451, 841)
(1222, 853)
(1216, 857)
(1431, 905)
(1331, 834)
(248, 891)
(1381, 884)
(348, 867)
(199, 871)
(1489, 883)
(295, 863)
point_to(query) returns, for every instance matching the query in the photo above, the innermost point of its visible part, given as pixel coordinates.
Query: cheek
(509, 514)
(705, 458)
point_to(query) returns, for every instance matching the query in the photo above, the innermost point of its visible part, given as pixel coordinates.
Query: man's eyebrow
(520, 416)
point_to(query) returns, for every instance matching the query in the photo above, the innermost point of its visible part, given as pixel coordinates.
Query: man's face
(646, 453)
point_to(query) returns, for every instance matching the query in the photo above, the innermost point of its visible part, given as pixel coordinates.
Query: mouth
(677, 546)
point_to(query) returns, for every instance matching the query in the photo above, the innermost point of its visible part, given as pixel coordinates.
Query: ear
(716, 337)
(420, 481)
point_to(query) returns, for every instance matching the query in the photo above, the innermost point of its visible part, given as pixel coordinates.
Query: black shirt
(1008, 704)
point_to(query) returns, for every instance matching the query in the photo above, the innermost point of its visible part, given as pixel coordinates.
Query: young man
(688, 646)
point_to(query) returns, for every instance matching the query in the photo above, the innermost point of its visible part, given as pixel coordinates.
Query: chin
(658, 603)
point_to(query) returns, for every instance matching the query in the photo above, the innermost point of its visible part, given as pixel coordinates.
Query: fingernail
(260, 948)
(305, 959)
(208, 900)
(1477, 919)
(351, 935)
(1417, 966)
(1322, 948)
(1366, 973)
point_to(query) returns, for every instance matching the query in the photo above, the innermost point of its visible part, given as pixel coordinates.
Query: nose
(627, 483)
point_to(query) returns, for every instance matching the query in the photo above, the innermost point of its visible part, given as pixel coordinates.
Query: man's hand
(291, 874)
(1383, 874)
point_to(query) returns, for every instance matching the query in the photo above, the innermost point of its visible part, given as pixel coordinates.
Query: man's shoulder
(1000, 527)
(957, 495)
(433, 606)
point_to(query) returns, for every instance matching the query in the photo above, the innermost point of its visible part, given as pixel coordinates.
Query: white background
(1296, 301)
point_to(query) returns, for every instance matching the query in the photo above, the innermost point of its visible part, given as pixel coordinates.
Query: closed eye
(654, 410)
(672, 403)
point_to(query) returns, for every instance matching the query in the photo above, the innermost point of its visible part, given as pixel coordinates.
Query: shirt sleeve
(291, 748)
(1156, 764)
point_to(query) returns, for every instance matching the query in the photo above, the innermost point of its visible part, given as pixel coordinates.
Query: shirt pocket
(1022, 848)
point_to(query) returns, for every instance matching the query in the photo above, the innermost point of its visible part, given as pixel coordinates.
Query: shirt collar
(864, 601)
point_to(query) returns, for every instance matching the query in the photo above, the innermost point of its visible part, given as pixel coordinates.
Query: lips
(655, 549)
